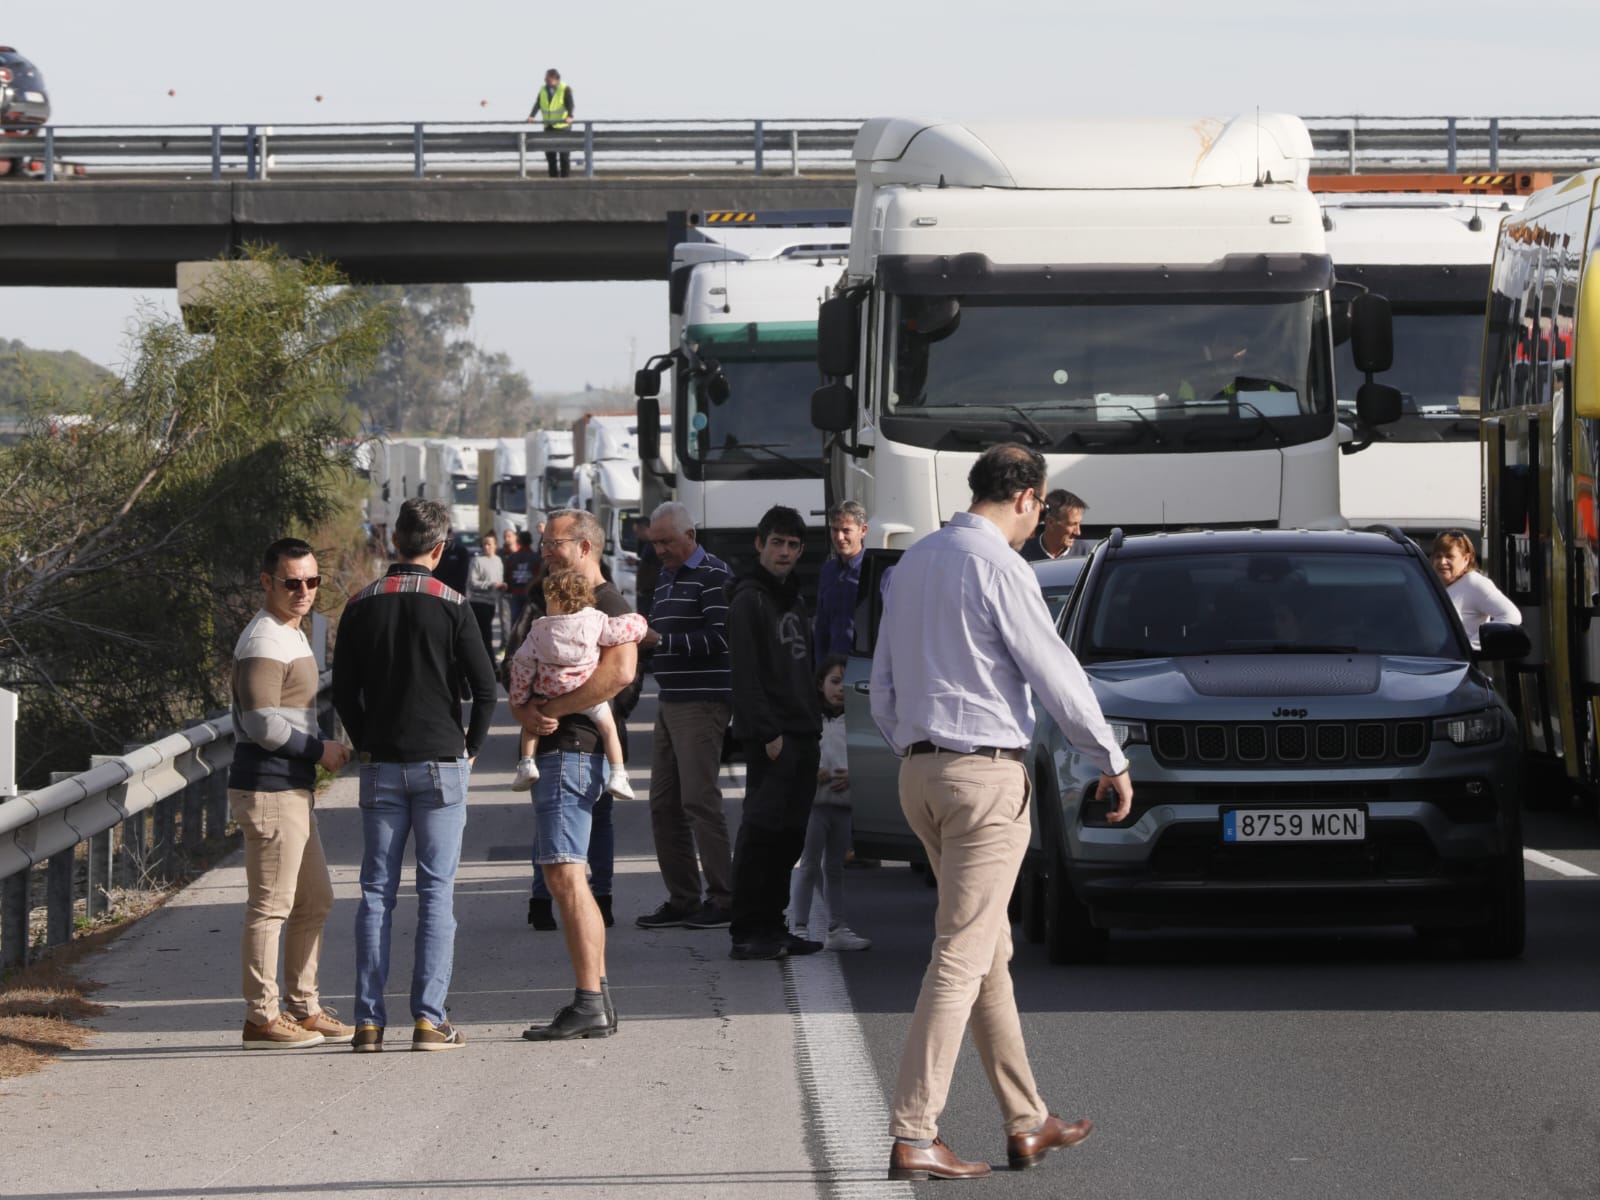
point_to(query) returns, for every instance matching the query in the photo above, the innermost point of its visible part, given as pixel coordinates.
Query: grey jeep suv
(1311, 740)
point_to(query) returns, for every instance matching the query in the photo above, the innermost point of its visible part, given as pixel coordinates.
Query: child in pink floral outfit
(559, 655)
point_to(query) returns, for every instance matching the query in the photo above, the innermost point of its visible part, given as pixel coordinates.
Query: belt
(1015, 755)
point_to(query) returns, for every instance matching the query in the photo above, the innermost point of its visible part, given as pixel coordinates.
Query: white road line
(841, 1086)
(1559, 865)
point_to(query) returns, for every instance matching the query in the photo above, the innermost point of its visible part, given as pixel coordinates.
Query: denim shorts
(563, 805)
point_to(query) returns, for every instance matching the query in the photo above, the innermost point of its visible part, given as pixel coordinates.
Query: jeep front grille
(1288, 743)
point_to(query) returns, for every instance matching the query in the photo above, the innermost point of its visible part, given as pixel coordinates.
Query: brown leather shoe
(1024, 1150)
(938, 1161)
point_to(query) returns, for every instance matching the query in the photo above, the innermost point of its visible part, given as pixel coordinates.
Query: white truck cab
(1145, 301)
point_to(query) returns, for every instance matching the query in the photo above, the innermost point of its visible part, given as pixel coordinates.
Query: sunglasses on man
(311, 582)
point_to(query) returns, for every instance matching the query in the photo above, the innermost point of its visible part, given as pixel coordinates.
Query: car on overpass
(24, 105)
(1312, 742)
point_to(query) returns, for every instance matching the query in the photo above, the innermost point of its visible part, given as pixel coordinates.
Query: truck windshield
(1265, 603)
(763, 430)
(512, 495)
(557, 488)
(1438, 357)
(463, 489)
(1111, 374)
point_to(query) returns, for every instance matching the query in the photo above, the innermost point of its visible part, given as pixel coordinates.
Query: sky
(111, 62)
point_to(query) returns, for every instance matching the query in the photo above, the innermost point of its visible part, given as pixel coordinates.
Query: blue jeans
(602, 851)
(397, 800)
(565, 798)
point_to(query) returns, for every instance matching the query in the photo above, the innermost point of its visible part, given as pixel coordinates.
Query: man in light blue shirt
(965, 642)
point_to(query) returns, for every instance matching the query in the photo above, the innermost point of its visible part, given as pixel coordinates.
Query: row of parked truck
(503, 483)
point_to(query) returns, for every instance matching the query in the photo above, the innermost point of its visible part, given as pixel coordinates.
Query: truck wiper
(1155, 430)
(1037, 435)
(807, 471)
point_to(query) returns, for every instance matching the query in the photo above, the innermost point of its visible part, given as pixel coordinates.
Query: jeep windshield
(1266, 603)
(1109, 374)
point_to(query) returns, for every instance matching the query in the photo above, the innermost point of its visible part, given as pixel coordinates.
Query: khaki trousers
(686, 803)
(971, 815)
(289, 893)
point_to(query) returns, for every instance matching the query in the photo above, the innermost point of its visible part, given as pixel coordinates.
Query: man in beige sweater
(271, 786)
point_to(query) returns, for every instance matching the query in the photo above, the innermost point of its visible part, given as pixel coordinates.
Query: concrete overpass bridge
(133, 233)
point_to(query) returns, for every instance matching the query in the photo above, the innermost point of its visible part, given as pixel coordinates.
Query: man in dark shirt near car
(777, 714)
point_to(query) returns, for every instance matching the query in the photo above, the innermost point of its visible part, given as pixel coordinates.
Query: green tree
(130, 539)
(63, 374)
(431, 377)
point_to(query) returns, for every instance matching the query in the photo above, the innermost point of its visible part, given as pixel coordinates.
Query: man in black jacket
(777, 714)
(406, 643)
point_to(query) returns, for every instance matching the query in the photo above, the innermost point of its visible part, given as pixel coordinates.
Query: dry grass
(42, 1005)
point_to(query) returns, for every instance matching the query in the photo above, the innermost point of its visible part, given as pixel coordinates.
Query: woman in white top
(1475, 597)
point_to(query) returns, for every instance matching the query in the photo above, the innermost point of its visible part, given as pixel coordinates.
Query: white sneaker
(527, 775)
(618, 784)
(840, 937)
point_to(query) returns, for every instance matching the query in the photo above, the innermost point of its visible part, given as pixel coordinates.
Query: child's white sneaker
(840, 937)
(527, 775)
(618, 784)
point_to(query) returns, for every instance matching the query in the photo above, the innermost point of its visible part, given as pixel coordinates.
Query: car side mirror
(1500, 642)
(833, 408)
(838, 336)
(649, 428)
(1371, 333)
(1377, 404)
(647, 382)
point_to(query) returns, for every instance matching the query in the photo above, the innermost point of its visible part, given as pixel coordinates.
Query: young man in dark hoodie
(777, 715)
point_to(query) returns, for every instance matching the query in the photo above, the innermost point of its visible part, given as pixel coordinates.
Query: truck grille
(1288, 743)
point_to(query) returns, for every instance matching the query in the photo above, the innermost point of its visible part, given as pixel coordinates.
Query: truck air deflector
(974, 274)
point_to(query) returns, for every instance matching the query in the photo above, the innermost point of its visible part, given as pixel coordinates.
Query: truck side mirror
(647, 382)
(1377, 404)
(716, 385)
(833, 407)
(649, 427)
(1372, 333)
(838, 338)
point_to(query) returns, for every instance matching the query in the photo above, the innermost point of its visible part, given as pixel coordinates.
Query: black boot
(540, 914)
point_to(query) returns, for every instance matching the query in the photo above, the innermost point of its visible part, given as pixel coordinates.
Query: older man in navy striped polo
(688, 634)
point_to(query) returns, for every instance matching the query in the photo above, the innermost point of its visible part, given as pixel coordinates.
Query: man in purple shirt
(965, 642)
(833, 628)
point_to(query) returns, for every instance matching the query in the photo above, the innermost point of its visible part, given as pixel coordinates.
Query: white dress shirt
(965, 640)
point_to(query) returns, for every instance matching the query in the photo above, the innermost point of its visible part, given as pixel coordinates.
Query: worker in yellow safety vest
(553, 106)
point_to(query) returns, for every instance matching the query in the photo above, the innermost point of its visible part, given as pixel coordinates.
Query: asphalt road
(1329, 1064)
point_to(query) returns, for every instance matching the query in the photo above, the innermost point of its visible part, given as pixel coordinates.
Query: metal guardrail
(181, 778)
(761, 146)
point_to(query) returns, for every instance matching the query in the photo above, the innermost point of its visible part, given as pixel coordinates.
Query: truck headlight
(1471, 729)
(1128, 733)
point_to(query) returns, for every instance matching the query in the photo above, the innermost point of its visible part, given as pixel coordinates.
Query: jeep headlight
(1470, 729)
(1128, 733)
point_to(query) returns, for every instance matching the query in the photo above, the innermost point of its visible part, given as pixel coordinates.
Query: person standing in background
(1060, 535)
(554, 107)
(688, 635)
(486, 581)
(834, 628)
(522, 564)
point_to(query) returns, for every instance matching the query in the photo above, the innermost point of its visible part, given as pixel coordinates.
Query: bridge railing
(169, 799)
(757, 145)
(423, 149)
